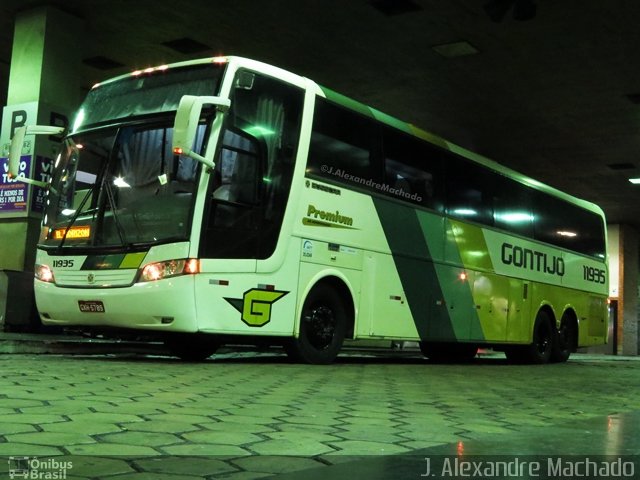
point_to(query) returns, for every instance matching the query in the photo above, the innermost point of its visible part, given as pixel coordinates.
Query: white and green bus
(225, 201)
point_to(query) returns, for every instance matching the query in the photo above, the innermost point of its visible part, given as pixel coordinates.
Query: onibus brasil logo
(255, 305)
(35, 468)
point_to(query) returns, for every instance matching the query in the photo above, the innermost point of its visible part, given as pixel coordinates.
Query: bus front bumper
(166, 305)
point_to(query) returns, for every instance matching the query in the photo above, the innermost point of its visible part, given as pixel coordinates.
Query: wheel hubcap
(321, 326)
(543, 341)
(563, 337)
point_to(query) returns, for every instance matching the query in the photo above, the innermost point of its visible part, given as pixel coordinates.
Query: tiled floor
(244, 416)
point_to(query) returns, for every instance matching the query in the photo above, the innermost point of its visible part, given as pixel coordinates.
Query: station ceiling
(550, 88)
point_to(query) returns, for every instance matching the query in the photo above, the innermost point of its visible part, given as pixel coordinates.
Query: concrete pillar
(629, 257)
(624, 244)
(44, 88)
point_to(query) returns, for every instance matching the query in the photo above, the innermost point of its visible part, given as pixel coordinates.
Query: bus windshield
(121, 187)
(147, 93)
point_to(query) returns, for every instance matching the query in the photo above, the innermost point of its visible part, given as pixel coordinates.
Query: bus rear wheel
(323, 325)
(539, 350)
(565, 341)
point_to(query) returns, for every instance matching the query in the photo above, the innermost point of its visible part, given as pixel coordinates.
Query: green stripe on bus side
(411, 256)
(441, 303)
(472, 246)
(429, 137)
(462, 304)
(389, 120)
(346, 101)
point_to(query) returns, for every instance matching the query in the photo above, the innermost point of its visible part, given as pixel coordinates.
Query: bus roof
(442, 143)
(378, 116)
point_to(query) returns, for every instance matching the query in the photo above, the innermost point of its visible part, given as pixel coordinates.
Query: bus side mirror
(185, 126)
(15, 150)
(17, 142)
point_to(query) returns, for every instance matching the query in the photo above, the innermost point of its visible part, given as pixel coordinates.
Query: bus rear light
(170, 268)
(44, 273)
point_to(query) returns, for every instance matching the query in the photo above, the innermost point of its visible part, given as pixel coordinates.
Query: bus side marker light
(192, 265)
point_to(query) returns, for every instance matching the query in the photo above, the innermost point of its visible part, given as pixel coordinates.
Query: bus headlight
(44, 273)
(169, 268)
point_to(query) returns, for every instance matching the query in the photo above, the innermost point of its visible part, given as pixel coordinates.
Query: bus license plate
(91, 306)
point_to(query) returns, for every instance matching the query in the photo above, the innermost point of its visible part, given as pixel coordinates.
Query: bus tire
(192, 347)
(539, 350)
(565, 341)
(323, 325)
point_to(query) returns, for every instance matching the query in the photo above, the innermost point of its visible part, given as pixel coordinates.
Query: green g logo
(255, 305)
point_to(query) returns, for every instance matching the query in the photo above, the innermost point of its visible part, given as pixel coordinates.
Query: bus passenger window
(341, 146)
(512, 207)
(470, 191)
(565, 225)
(412, 169)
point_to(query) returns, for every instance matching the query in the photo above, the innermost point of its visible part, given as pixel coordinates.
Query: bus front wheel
(323, 324)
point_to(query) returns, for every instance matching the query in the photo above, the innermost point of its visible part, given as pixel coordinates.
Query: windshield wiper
(112, 204)
(76, 214)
